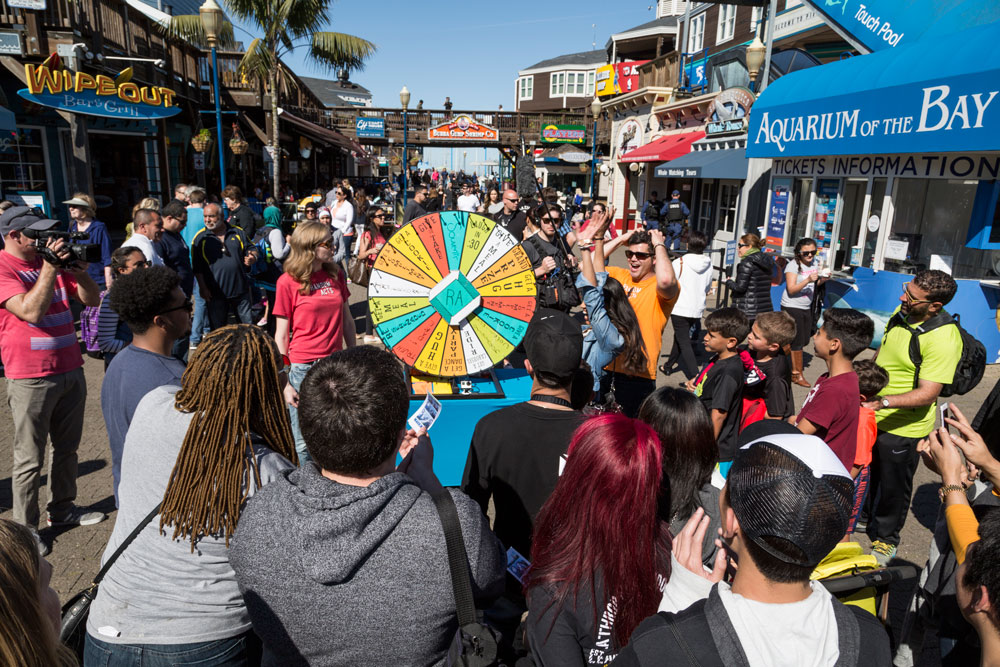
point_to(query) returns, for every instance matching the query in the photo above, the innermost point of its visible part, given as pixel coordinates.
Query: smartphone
(945, 413)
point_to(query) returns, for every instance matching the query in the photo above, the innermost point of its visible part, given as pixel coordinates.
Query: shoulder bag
(73, 626)
(476, 643)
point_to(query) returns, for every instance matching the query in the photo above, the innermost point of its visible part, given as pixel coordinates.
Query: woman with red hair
(600, 554)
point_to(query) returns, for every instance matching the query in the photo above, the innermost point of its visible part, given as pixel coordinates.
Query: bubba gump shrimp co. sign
(96, 95)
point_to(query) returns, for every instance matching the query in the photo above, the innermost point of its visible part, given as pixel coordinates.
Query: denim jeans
(241, 651)
(199, 324)
(220, 307)
(296, 374)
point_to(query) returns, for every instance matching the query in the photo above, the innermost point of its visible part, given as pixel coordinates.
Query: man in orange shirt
(652, 290)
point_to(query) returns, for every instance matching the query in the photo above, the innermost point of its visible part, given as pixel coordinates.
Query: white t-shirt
(803, 299)
(469, 203)
(343, 218)
(146, 246)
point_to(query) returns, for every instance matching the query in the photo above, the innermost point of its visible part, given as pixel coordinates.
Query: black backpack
(558, 288)
(971, 365)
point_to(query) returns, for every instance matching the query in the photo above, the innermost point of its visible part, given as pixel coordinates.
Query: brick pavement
(76, 552)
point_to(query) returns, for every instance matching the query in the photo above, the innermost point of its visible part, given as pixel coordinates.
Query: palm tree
(285, 25)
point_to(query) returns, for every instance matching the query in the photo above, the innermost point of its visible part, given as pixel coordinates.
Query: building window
(557, 82)
(696, 36)
(576, 84)
(755, 15)
(727, 24)
(525, 88)
(590, 83)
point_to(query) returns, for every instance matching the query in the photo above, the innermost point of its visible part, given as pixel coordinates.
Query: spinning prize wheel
(451, 293)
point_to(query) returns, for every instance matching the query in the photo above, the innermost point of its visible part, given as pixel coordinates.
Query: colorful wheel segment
(451, 293)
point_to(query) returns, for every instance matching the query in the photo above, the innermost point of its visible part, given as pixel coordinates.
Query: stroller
(856, 578)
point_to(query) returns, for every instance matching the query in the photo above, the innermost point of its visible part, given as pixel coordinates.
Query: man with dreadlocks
(200, 450)
(344, 562)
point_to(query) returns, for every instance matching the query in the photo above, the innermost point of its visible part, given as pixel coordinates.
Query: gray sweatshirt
(344, 575)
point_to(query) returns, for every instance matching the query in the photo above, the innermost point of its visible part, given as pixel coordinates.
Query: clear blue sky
(470, 51)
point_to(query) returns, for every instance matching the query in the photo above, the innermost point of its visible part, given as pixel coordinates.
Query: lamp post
(404, 99)
(211, 21)
(755, 58)
(595, 109)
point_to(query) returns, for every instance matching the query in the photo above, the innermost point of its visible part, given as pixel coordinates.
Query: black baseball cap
(554, 344)
(24, 217)
(791, 487)
(313, 204)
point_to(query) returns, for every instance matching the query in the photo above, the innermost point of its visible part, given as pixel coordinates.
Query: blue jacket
(601, 340)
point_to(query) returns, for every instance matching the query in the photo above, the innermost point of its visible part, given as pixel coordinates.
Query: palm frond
(337, 49)
(257, 62)
(188, 27)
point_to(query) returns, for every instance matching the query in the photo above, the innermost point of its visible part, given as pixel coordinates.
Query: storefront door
(706, 207)
(728, 202)
(850, 221)
(869, 233)
(122, 165)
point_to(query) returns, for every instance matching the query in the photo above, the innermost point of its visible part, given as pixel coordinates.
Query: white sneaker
(77, 516)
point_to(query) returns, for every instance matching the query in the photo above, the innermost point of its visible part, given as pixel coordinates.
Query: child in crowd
(720, 383)
(769, 334)
(872, 379)
(831, 409)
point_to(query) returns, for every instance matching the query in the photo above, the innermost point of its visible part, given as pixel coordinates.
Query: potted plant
(238, 145)
(202, 140)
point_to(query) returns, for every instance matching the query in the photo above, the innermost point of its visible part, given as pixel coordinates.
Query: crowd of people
(274, 507)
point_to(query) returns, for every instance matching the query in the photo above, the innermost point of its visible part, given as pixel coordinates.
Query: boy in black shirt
(768, 335)
(720, 383)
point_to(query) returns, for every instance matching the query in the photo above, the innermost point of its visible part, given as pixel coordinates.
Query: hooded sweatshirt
(334, 574)
(694, 275)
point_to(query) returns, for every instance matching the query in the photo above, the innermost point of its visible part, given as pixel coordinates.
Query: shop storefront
(891, 162)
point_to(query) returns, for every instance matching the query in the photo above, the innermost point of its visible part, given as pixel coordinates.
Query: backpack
(971, 364)
(754, 410)
(88, 327)
(558, 288)
(267, 263)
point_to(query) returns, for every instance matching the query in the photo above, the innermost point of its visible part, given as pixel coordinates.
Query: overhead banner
(877, 25)
(564, 134)
(619, 78)
(463, 128)
(893, 102)
(96, 95)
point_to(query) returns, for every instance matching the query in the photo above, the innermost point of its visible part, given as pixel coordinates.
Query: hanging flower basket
(238, 145)
(201, 141)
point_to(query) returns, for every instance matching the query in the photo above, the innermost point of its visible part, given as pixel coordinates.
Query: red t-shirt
(314, 320)
(832, 406)
(36, 350)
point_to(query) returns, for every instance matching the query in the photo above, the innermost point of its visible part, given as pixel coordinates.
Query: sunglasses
(742, 245)
(629, 254)
(324, 244)
(909, 298)
(512, 199)
(188, 305)
(808, 253)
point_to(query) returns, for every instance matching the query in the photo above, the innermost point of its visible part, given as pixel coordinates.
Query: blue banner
(108, 106)
(900, 101)
(778, 217)
(369, 128)
(877, 25)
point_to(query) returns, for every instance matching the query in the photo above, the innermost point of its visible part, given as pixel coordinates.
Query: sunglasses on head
(629, 254)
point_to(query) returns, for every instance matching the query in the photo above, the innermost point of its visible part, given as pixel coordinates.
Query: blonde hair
(91, 208)
(147, 203)
(299, 265)
(27, 638)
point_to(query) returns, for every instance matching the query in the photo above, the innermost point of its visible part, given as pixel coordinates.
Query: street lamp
(755, 58)
(211, 21)
(404, 99)
(595, 109)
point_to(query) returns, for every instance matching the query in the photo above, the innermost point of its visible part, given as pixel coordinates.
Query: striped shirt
(36, 350)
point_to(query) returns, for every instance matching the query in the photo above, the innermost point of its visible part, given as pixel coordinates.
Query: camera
(86, 252)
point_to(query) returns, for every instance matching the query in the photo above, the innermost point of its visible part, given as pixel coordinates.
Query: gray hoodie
(345, 575)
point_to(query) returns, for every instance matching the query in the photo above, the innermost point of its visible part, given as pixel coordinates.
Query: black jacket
(752, 287)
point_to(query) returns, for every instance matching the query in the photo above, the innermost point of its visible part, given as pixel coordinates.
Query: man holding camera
(46, 389)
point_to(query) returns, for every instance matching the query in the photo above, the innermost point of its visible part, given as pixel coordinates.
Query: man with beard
(905, 410)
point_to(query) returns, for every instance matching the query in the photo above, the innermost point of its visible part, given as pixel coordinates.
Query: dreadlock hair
(232, 388)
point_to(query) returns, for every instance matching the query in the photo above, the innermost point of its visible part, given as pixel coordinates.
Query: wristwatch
(884, 402)
(945, 490)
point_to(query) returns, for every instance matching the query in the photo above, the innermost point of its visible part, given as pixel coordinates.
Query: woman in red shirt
(312, 314)
(376, 233)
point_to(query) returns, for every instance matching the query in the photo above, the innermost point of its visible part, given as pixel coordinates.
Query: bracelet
(948, 488)
(660, 245)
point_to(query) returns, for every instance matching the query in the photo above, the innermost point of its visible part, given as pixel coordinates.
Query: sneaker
(371, 340)
(883, 552)
(860, 526)
(44, 548)
(77, 516)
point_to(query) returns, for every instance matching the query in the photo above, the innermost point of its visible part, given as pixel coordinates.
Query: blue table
(452, 432)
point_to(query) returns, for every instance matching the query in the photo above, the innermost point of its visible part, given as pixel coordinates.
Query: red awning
(665, 148)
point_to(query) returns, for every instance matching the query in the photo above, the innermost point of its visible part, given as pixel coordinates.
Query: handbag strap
(124, 545)
(458, 561)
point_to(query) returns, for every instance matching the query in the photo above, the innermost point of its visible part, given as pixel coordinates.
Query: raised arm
(666, 280)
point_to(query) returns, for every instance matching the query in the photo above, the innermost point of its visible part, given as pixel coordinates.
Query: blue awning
(933, 96)
(8, 125)
(728, 163)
